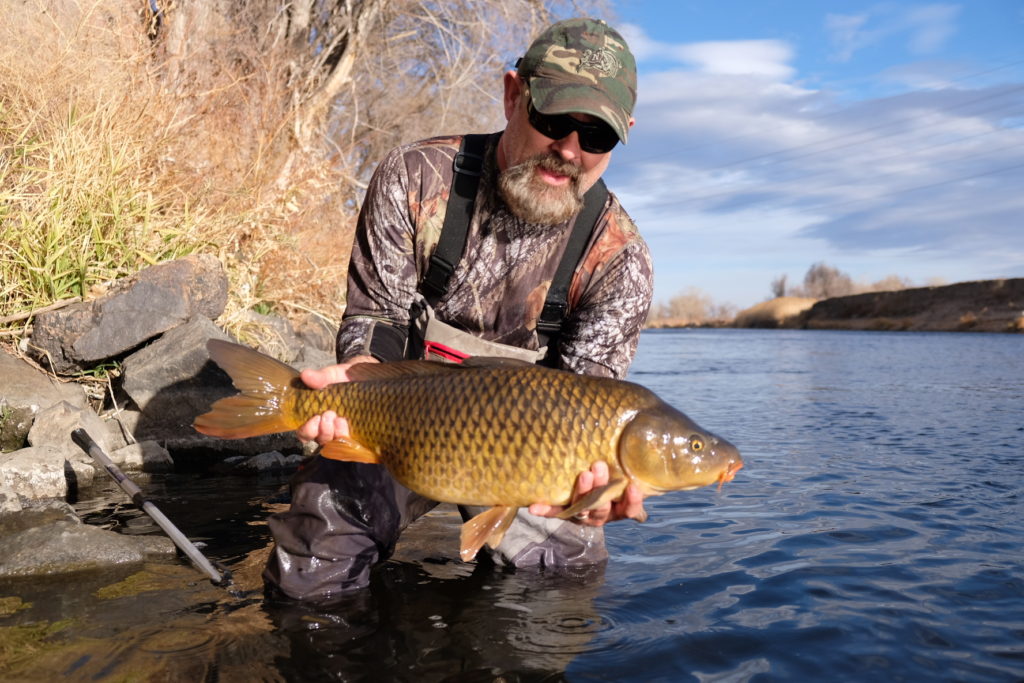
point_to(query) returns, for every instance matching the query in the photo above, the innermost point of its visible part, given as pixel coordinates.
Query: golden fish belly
(487, 437)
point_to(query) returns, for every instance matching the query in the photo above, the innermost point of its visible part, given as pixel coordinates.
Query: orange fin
(350, 451)
(595, 498)
(495, 362)
(264, 383)
(488, 527)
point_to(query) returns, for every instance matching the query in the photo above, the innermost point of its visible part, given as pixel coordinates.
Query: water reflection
(522, 626)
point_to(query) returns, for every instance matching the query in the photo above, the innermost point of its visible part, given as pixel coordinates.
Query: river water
(876, 533)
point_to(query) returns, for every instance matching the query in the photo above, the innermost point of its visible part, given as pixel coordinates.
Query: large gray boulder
(173, 380)
(133, 311)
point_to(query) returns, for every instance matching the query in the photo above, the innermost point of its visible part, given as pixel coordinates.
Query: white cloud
(925, 28)
(763, 58)
(766, 58)
(738, 176)
(930, 26)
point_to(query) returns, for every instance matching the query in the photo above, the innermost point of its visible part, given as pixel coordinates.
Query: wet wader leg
(534, 541)
(344, 519)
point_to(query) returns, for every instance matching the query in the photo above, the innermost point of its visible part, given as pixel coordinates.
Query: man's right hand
(327, 426)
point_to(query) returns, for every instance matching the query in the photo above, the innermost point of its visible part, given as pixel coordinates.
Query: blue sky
(883, 138)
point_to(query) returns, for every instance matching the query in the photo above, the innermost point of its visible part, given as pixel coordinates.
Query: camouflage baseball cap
(582, 66)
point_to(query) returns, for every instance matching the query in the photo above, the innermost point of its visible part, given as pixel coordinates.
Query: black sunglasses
(596, 137)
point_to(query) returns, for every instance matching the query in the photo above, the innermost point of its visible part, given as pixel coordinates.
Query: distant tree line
(694, 307)
(823, 281)
(691, 307)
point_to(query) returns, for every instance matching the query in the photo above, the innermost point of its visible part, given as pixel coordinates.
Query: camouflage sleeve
(601, 335)
(382, 270)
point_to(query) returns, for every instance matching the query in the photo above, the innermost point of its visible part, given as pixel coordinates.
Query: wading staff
(86, 443)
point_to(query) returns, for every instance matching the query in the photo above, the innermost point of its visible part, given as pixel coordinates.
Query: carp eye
(696, 444)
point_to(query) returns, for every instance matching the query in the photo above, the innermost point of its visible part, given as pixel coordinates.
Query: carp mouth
(729, 472)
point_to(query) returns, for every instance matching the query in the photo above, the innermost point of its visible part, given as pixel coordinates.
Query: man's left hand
(630, 505)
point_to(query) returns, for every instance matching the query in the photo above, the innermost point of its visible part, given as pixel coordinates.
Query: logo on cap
(603, 61)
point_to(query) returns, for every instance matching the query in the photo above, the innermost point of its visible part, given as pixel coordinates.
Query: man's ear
(513, 90)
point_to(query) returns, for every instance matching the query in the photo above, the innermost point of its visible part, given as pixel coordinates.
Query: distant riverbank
(981, 306)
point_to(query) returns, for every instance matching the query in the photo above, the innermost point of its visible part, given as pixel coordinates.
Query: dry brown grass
(105, 169)
(125, 143)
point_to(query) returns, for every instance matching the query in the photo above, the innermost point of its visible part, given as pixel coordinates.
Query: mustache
(555, 164)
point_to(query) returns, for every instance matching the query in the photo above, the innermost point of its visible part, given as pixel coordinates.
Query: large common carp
(489, 432)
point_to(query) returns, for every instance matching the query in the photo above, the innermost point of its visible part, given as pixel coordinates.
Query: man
(567, 105)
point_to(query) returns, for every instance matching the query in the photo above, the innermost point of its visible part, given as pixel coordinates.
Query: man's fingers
(309, 431)
(631, 504)
(340, 428)
(584, 483)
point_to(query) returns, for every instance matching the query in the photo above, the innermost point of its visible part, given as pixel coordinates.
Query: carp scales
(489, 432)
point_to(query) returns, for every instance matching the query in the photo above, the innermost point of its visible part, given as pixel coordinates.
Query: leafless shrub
(249, 127)
(691, 307)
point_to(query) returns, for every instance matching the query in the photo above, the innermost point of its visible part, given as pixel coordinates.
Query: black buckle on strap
(551, 317)
(435, 282)
(468, 163)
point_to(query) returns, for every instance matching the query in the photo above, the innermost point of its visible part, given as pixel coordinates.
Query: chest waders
(346, 517)
(429, 337)
(548, 540)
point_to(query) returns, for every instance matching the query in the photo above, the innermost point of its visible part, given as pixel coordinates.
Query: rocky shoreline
(154, 325)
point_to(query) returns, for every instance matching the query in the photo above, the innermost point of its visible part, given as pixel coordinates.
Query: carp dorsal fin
(488, 527)
(349, 451)
(495, 362)
(362, 372)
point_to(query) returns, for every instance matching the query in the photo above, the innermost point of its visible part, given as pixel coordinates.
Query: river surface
(875, 534)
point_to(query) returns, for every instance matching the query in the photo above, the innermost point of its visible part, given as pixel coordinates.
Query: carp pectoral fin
(595, 498)
(488, 527)
(349, 451)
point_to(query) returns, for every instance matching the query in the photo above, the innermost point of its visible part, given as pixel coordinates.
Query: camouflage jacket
(498, 288)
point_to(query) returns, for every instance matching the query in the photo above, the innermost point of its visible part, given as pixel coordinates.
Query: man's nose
(568, 147)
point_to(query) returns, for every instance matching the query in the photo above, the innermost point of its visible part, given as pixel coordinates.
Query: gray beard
(532, 200)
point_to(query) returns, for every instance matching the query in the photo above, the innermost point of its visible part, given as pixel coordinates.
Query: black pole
(86, 443)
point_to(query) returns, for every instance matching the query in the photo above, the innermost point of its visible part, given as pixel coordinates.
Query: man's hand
(630, 505)
(327, 426)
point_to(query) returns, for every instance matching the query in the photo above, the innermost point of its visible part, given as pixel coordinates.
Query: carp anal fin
(595, 498)
(488, 527)
(349, 451)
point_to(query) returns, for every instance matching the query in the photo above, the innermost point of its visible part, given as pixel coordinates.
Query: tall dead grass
(247, 130)
(105, 169)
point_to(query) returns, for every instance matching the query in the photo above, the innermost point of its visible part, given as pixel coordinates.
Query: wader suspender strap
(468, 166)
(549, 324)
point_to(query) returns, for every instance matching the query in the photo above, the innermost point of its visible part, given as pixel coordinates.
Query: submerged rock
(66, 546)
(145, 456)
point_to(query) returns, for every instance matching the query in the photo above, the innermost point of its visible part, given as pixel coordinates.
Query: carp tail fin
(261, 407)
